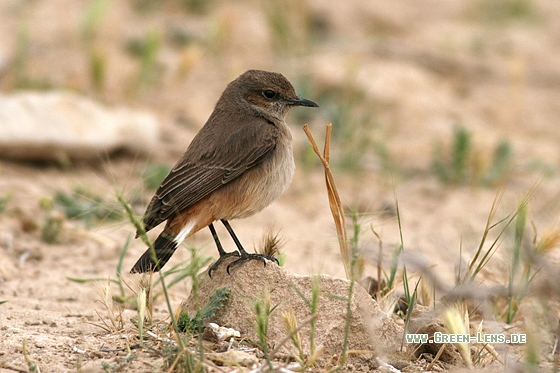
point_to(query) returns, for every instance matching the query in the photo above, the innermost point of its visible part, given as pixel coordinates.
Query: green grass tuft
(93, 18)
(504, 11)
(154, 174)
(98, 69)
(263, 311)
(464, 164)
(146, 50)
(20, 68)
(4, 203)
(194, 324)
(86, 206)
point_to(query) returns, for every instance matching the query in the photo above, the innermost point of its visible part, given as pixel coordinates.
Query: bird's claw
(215, 266)
(244, 258)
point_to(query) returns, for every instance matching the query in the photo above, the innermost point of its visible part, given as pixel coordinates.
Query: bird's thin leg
(217, 240)
(223, 253)
(235, 239)
(244, 254)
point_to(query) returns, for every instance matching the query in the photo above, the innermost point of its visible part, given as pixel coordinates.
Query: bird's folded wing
(191, 180)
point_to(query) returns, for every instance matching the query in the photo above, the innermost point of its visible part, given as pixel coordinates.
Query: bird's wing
(195, 177)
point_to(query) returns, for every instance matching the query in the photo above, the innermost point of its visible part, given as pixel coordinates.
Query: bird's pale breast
(259, 186)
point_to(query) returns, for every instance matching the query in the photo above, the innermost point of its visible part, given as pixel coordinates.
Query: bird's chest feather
(280, 171)
(262, 185)
(259, 186)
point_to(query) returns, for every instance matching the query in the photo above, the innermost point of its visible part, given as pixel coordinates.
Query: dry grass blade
(33, 367)
(436, 358)
(456, 320)
(334, 199)
(140, 228)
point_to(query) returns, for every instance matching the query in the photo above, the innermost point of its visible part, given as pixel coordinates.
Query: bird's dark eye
(270, 94)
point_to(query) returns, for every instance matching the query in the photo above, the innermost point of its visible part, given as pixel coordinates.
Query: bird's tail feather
(164, 247)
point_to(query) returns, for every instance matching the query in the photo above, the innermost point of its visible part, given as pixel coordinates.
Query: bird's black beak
(303, 102)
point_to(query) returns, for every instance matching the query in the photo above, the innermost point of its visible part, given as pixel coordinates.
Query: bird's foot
(246, 256)
(215, 266)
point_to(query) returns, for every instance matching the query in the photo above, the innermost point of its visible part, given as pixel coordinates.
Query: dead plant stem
(335, 203)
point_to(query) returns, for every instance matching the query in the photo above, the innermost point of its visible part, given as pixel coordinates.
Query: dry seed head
(141, 299)
(425, 293)
(271, 243)
(456, 320)
(107, 301)
(549, 241)
(313, 358)
(289, 318)
(388, 303)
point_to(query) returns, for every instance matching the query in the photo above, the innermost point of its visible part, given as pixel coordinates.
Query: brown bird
(238, 163)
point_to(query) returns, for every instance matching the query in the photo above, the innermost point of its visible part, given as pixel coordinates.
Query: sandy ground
(494, 69)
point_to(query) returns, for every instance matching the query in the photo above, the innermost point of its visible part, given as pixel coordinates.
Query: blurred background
(446, 121)
(440, 105)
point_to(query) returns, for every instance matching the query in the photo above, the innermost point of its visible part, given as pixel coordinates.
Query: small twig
(436, 358)
(488, 347)
(135, 346)
(176, 361)
(121, 349)
(161, 339)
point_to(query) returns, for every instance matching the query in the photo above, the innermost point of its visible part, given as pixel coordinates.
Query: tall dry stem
(334, 199)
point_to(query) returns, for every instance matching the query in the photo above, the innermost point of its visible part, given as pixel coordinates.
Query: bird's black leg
(244, 254)
(221, 250)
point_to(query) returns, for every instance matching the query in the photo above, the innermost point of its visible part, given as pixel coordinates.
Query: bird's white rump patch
(184, 233)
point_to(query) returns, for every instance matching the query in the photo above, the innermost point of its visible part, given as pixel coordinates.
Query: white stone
(59, 124)
(221, 333)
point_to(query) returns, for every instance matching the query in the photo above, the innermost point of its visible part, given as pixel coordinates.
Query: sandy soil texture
(395, 78)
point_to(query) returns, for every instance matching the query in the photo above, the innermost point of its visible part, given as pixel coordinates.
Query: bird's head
(268, 93)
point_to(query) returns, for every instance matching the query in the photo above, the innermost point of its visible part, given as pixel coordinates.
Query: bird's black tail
(164, 247)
